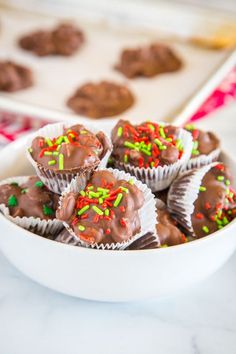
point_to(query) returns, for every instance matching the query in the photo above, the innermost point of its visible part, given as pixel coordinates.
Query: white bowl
(109, 275)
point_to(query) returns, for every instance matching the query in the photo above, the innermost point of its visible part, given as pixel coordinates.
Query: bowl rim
(27, 233)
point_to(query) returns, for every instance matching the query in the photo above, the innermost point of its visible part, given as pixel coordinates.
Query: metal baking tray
(171, 96)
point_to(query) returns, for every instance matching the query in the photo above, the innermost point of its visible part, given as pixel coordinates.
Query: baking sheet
(56, 78)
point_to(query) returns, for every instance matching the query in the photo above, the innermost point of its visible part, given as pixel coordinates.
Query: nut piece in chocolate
(103, 99)
(105, 212)
(65, 40)
(14, 77)
(148, 61)
(29, 199)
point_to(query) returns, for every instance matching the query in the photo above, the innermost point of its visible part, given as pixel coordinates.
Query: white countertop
(35, 320)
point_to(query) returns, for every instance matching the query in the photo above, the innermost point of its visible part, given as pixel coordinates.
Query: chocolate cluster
(103, 99)
(105, 212)
(14, 77)
(65, 39)
(148, 61)
(29, 199)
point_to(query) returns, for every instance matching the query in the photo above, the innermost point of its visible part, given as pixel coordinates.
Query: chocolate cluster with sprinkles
(147, 145)
(105, 212)
(77, 149)
(203, 142)
(30, 199)
(215, 206)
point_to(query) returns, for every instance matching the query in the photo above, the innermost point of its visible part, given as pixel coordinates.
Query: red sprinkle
(199, 216)
(207, 205)
(122, 208)
(123, 222)
(108, 231)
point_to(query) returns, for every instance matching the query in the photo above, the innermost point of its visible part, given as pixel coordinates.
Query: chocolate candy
(14, 77)
(215, 206)
(148, 61)
(167, 229)
(65, 39)
(105, 212)
(145, 145)
(77, 149)
(204, 142)
(104, 99)
(29, 199)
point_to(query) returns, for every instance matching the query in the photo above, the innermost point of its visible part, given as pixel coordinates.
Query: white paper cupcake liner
(65, 237)
(35, 225)
(57, 181)
(147, 213)
(183, 193)
(161, 177)
(201, 160)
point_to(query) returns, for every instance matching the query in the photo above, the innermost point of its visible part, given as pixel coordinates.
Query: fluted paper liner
(202, 160)
(55, 180)
(65, 237)
(183, 193)
(147, 213)
(35, 225)
(161, 177)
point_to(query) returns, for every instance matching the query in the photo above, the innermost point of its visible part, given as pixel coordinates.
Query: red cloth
(12, 126)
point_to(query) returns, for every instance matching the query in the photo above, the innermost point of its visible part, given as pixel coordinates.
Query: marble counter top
(202, 320)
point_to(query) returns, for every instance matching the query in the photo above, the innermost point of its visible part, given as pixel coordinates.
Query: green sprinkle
(225, 220)
(83, 210)
(97, 210)
(100, 200)
(227, 182)
(151, 127)
(12, 201)
(179, 144)
(52, 162)
(130, 145)
(82, 193)
(66, 140)
(30, 150)
(162, 133)
(189, 127)
(195, 152)
(106, 212)
(219, 222)
(131, 181)
(169, 140)
(14, 184)
(81, 228)
(152, 164)
(231, 195)
(83, 132)
(230, 212)
(55, 153)
(163, 147)
(90, 188)
(47, 211)
(39, 184)
(126, 159)
(24, 191)
(220, 227)
(60, 140)
(118, 199)
(47, 153)
(202, 189)
(205, 229)
(158, 142)
(94, 194)
(195, 145)
(49, 142)
(119, 132)
(220, 178)
(124, 189)
(61, 161)
(219, 213)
